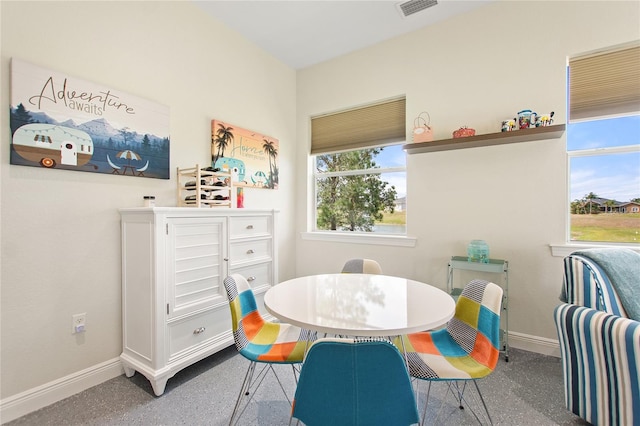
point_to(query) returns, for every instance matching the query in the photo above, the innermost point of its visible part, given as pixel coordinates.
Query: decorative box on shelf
(202, 187)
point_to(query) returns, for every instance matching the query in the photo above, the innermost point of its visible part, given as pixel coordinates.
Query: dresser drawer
(258, 276)
(247, 251)
(250, 226)
(188, 333)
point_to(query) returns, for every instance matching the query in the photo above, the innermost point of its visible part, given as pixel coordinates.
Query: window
(360, 169)
(603, 147)
(361, 190)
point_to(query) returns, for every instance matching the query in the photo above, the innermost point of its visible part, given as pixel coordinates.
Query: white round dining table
(359, 304)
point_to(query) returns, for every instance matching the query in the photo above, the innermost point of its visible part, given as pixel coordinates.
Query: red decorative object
(463, 132)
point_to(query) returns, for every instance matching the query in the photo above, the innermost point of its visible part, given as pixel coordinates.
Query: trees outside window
(361, 190)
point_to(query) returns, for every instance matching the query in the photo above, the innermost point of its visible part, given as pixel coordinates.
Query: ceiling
(302, 33)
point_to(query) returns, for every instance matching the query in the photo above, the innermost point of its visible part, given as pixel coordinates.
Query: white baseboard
(540, 345)
(26, 402)
(33, 399)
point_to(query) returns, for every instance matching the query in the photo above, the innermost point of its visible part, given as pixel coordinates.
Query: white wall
(60, 229)
(471, 70)
(476, 70)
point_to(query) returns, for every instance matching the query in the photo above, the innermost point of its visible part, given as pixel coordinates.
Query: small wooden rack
(199, 187)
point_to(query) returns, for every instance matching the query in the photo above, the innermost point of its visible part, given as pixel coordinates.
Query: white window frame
(570, 245)
(347, 236)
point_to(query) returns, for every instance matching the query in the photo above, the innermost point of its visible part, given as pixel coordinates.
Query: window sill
(563, 250)
(360, 238)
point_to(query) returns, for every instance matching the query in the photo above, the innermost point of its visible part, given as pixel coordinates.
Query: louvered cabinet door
(197, 304)
(196, 249)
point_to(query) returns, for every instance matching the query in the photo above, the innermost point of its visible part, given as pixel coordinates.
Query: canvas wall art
(62, 122)
(250, 156)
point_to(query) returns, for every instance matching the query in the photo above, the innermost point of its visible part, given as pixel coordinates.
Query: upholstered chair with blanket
(599, 333)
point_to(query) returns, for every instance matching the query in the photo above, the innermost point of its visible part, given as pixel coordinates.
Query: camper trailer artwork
(62, 122)
(250, 157)
(50, 145)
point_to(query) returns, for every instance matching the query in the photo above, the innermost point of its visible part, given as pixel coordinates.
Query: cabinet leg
(128, 371)
(158, 386)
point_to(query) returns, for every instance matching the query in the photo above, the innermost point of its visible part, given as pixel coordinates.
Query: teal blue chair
(349, 382)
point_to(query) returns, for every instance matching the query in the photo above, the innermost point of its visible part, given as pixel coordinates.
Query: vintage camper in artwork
(51, 144)
(232, 165)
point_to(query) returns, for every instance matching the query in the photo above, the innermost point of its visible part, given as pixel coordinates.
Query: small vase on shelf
(478, 251)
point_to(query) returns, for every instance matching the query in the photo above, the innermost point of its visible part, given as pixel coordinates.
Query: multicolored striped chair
(362, 266)
(260, 341)
(599, 337)
(466, 350)
(350, 382)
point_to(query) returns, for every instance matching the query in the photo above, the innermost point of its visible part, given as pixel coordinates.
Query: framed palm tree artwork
(250, 157)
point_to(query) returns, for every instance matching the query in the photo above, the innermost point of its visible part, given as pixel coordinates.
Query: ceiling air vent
(414, 6)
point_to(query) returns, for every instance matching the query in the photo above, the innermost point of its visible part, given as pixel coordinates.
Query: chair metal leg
(462, 398)
(250, 387)
(244, 389)
(426, 403)
(483, 403)
(460, 393)
(280, 383)
(291, 421)
(457, 390)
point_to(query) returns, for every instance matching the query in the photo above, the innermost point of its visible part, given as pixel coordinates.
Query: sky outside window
(394, 156)
(612, 176)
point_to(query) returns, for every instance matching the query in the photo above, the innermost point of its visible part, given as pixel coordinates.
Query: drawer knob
(249, 226)
(199, 330)
(252, 278)
(250, 251)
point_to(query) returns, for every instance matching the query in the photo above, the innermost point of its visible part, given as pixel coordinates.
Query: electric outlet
(78, 323)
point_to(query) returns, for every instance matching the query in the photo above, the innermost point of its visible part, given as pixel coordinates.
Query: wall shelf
(500, 138)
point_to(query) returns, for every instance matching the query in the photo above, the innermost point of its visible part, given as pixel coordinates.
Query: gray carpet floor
(527, 390)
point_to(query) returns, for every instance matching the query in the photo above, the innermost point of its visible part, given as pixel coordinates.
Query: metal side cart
(495, 266)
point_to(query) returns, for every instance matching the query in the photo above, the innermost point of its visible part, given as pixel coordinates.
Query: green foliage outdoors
(596, 219)
(606, 227)
(355, 202)
(394, 218)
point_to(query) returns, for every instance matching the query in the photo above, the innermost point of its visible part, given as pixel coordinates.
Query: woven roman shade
(358, 128)
(605, 84)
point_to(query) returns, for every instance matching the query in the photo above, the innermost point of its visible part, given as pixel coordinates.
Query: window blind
(359, 128)
(605, 84)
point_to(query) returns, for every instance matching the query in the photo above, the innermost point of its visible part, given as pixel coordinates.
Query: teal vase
(478, 251)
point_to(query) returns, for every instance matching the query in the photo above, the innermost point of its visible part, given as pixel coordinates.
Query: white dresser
(175, 309)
